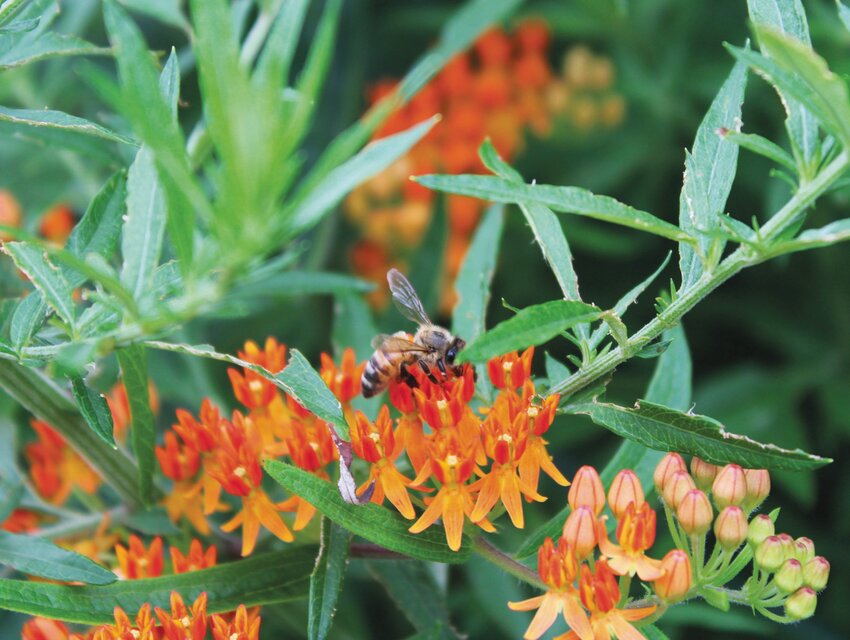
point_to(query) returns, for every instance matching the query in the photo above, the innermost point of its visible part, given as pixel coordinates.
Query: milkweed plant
(125, 516)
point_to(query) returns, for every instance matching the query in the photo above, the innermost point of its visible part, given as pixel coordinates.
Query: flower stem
(491, 554)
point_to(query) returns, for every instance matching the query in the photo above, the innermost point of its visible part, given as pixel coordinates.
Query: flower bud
(587, 490)
(787, 545)
(625, 488)
(789, 578)
(804, 549)
(801, 605)
(730, 486)
(675, 488)
(703, 472)
(676, 581)
(758, 487)
(730, 528)
(769, 554)
(670, 464)
(580, 531)
(695, 513)
(760, 528)
(816, 573)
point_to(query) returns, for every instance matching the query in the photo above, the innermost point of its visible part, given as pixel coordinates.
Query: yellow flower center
(532, 412)
(185, 622)
(255, 386)
(507, 366)
(314, 446)
(374, 437)
(234, 636)
(338, 378)
(442, 404)
(135, 633)
(143, 562)
(506, 437)
(240, 472)
(452, 460)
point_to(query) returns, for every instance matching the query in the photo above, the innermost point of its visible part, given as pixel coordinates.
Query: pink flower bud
(816, 573)
(787, 545)
(587, 490)
(804, 549)
(675, 488)
(703, 472)
(801, 604)
(625, 488)
(730, 528)
(789, 578)
(730, 486)
(580, 532)
(769, 554)
(760, 528)
(695, 513)
(758, 487)
(676, 581)
(670, 464)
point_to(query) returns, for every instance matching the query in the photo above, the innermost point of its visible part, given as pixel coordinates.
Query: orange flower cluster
(473, 461)
(55, 224)
(211, 454)
(180, 623)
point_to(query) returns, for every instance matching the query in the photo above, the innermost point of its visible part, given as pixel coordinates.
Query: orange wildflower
(536, 457)
(21, 521)
(123, 629)
(44, 629)
(195, 560)
(56, 224)
(243, 626)
(493, 47)
(511, 370)
(600, 593)
(56, 469)
(343, 381)
(251, 389)
(10, 212)
(587, 490)
(558, 568)
(635, 534)
(532, 35)
(410, 435)
(181, 464)
(183, 623)
(203, 436)
(375, 443)
(119, 406)
(136, 562)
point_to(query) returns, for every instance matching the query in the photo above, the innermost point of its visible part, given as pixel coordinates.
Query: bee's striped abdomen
(376, 375)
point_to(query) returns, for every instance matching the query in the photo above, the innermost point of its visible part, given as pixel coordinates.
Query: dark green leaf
(152, 522)
(134, 374)
(665, 429)
(531, 326)
(45, 276)
(27, 318)
(326, 581)
(59, 120)
(261, 579)
(377, 524)
(564, 199)
(306, 387)
(39, 557)
(94, 408)
(709, 172)
(762, 146)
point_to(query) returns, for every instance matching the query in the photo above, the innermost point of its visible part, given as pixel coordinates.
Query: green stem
(495, 556)
(625, 585)
(741, 258)
(698, 545)
(673, 526)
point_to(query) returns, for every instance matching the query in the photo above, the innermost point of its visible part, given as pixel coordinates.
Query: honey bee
(432, 347)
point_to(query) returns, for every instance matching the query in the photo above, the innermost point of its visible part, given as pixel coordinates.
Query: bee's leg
(460, 370)
(407, 377)
(427, 371)
(442, 367)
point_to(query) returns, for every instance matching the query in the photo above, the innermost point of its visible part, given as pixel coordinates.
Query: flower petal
(526, 605)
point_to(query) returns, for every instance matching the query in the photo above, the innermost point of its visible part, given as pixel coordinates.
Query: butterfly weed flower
(635, 535)
(586, 490)
(183, 623)
(196, 558)
(55, 468)
(180, 463)
(241, 626)
(142, 628)
(135, 561)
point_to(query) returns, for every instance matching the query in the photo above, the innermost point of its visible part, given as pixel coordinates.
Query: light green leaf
(326, 581)
(377, 524)
(564, 199)
(717, 598)
(373, 159)
(665, 429)
(59, 120)
(709, 172)
(762, 146)
(276, 58)
(48, 44)
(300, 283)
(134, 374)
(45, 276)
(843, 13)
(94, 408)
(28, 316)
(788, 17)
(838, 231)
(166, 11)
(531, 326)
(152, 522)
(169, 82)
(305, 385)
(39, 557)
(261, 579)
(11, 492)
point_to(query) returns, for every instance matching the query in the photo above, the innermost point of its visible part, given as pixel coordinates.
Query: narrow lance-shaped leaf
(305, 385)
(38, 557)
(326, 581)
(838, 231)
(709, 172)
(59, 120)
(134, 374)
(268, 578)
(28, 316)
(377, 524)
(94, 408)
(665, 429)
(45, 276)
(572, 200)
(48, 44)
(531, 326)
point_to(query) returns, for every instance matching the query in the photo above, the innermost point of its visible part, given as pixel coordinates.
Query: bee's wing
(406, 299)
(398, 344)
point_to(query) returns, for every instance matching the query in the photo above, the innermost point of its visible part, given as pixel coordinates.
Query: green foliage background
(770, 349)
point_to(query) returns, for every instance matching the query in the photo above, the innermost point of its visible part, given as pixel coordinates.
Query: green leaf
(59, 120)
(261, 579)
(306, 387)
(152, 522)
(843, 13)
(717, 598)
(134, 374)
(326, 581)
(413, 589)
(762, 146)
(45, 276)
(11, 492)
(300, 283)
(788, 17)
(48, 44)
(373, 159)
(564, 199)
(276, 58)
(665, 429)
(39, 557)
(431, 250)
(28, 316)
(376, 524)
(166, 11)
(709, 172)
(838, 231)
(94, 408)
(531, 326)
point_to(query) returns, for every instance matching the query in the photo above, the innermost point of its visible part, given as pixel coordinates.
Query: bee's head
(451, 353)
